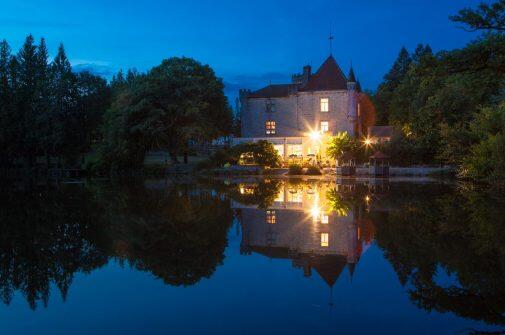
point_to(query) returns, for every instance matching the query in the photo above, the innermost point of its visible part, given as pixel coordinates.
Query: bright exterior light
(315, 211)
(368, 141)
(315, 135)
(367, 198)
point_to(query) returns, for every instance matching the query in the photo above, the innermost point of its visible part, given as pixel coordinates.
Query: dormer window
(325, 105)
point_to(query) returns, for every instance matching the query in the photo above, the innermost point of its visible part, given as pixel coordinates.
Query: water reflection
(445, 243)
(320, 226)
(176, 232)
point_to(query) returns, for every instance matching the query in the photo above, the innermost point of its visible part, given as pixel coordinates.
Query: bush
(313, 170)
(295, 170)
(261, 153)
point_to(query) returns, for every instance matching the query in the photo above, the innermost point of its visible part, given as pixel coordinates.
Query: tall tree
(5, 101)
(391, 81)
(176, 102)
(27, 130)
(64, 88)
(43, 100)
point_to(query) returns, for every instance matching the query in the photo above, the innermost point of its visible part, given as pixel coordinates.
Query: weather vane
(330, 38)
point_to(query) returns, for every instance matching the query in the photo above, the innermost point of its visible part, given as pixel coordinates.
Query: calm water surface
(252, 257)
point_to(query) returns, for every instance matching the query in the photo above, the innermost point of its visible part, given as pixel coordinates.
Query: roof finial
(330, 38)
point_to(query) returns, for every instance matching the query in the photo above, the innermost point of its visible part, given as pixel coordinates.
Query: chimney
(307, 72)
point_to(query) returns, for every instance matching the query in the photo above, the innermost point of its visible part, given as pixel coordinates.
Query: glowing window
(325, 240)
(270, 127)
(295, 196)
(295, 149)
(325, 126)
(324, 218)
(271, 218)
(325, 105)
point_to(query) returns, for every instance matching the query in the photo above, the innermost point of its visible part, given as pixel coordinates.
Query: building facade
(299, 117)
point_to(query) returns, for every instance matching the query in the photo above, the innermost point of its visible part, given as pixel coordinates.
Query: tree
(93, 101)
(486, 160)
(43, 100)
(391, 81)
(340, 144)
(485, 17)
(176, 102)
(5, 102)
(27, 131)
(64, 118)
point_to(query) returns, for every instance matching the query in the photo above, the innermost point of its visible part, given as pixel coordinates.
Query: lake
(252, 256)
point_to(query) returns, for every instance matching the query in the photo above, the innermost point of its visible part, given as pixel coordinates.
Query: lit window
(295, 196)
(324, 218)
(270, 127)
(271, 219)
(325, 126)
(294, 150)
(325, 240)
(325, 105)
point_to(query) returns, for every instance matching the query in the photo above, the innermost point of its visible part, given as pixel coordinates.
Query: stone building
(298, 117)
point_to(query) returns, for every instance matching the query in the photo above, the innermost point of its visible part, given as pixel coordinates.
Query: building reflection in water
(320, 226)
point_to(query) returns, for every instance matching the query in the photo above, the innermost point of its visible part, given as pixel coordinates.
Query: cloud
(102, 69)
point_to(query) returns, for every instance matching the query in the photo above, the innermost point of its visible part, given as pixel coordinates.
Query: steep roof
(274, 91)
(329, 267)
(352, 77)
(329, 77)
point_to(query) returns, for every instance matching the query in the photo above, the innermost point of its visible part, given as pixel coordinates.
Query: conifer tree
(25, 101)
(5, 100)
(64, 90)
(391, 81)
(43, 103)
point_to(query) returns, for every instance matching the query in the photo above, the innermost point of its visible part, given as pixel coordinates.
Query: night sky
(248, 43)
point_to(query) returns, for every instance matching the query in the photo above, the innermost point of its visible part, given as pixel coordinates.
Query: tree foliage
(485, 17)
(340, 144)
(44, 108)
(433, 102)
(175, 103)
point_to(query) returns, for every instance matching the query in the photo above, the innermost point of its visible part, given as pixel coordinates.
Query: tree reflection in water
(445, 243)
(48, 235)
(431, 233)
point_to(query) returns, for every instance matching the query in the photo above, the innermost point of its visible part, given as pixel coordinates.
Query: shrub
(261, 153)
(295, 169)
(313, 170)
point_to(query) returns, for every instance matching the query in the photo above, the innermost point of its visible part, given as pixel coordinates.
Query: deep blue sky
(248, 43)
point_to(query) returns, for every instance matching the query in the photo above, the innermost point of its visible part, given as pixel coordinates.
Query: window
(271, 218)
(325, 126)
(270, 127)
(271, 107)
(324, 218)
(325, 240)
(325, 105)
(294, 149)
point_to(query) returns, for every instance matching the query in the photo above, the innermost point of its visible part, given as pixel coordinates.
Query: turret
(302, 78)
(352, 113)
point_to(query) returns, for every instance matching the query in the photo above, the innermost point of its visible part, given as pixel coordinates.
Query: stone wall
(296, 115)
